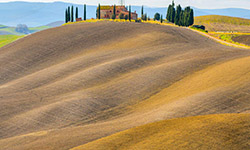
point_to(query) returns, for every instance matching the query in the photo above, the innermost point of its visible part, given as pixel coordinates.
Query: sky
(204, 4)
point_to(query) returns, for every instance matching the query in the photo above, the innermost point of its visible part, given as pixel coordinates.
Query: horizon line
(125, 5)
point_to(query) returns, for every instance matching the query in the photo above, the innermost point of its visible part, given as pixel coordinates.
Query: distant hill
(55, 24)
(38, 14)
(233, 12)
(7, 30)
(217, 23)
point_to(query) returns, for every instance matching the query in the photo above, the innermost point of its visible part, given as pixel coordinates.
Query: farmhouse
(107, 12)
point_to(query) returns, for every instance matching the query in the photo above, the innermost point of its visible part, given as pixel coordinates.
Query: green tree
(121, 16)
(161, 19)
(114, 13)
(187, 16)
(157, 16)
(85, 12)
(126, 17)
(129, 15)
(142, 12)
(178, 15)
(144, 17)
(69, 14)
(72, 14)
(76, 12)
(191, 19)
(172, 12)
(66, 16)
(98, 13)
(181, 22)
(169, 13)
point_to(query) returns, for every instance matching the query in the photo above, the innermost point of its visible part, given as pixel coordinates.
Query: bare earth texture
(244, 39)
(218, 132)
(64, 87)
(217, 23)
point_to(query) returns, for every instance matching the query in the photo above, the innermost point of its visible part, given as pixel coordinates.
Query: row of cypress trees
(69, 14)
(179, 16)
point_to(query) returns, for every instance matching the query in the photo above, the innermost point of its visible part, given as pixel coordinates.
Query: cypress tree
(169, 13)
(172, 12)
(114, 13)
(66, 16)
(177, 15)
(187, 12)
(161, 19)
(76, 12)
(181, 22)
(69, 19)
(98, 15)
(85, 12)
(142, 11)
(129, 15)
(191, 21)
(72, 13)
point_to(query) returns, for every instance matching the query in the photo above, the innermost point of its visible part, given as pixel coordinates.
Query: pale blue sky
(208, 4)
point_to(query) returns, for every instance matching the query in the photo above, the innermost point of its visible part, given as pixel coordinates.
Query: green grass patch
(227, 37)
(10, 30)
(2, 26)
(6, 39)
(35, 29)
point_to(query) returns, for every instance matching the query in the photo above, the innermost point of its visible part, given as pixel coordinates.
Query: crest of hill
(217, 23)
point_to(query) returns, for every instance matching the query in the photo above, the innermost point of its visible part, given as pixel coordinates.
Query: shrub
(121, 16)
(157, 16)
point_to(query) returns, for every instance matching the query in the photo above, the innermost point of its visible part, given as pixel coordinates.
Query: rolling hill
(74, 86)
(217, 23)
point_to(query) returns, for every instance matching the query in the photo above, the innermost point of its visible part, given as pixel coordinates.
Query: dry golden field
(217, 23)
(218, 132)
(105, 85)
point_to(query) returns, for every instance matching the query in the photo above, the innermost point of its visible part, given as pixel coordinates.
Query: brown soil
(63, 87)
(244, 39)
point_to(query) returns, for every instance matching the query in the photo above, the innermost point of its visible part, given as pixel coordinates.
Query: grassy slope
(35, 29)
(62, 82)
(221, 132)
(216, 23)
(1, 26)
(6, 39)
(11, 30)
